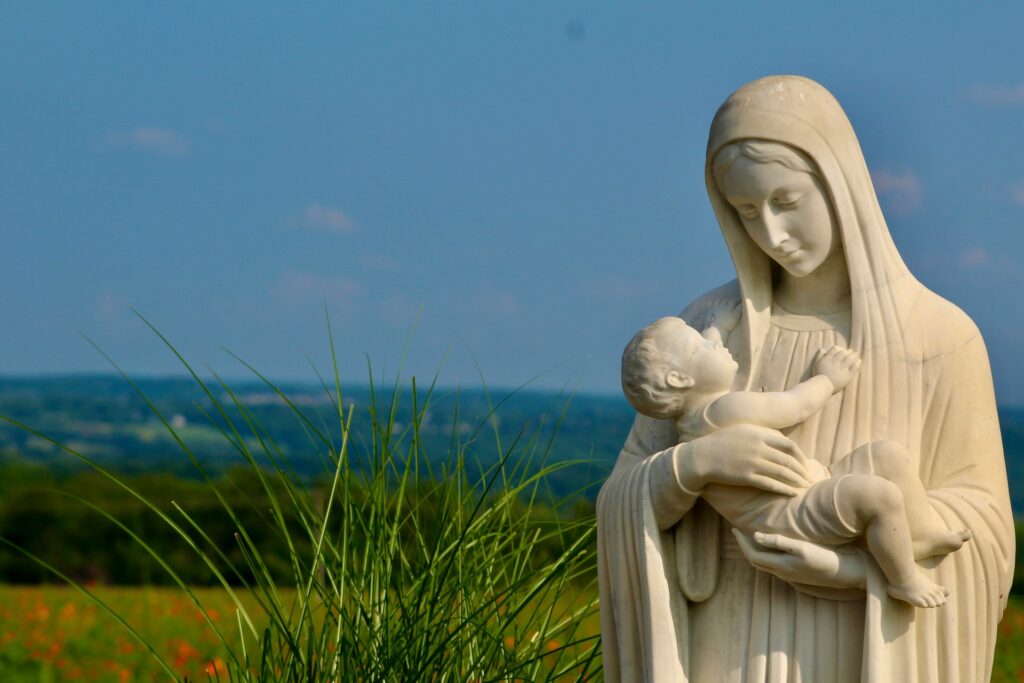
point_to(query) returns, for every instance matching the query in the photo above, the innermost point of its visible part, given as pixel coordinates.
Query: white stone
(814, 487)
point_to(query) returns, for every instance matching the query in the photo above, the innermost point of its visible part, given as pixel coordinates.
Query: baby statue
(671, 371)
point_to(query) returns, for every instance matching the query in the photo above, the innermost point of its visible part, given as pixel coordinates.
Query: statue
(831, 505)
(669, 370)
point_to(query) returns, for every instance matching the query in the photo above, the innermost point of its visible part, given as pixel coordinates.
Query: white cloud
(297, 287)
(996, 95)
(322, 218)
(974, 257)
(898, 192)
(160, 141)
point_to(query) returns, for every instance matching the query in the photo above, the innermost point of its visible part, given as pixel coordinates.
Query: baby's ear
(678, 380)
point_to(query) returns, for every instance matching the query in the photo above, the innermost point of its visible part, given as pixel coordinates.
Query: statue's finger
(780, 542)
(774, 485)
(754, 555)
(746, 547)
(783, 443)
(788, 461)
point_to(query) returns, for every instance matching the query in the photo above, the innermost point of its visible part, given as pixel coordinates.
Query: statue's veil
(800, 113)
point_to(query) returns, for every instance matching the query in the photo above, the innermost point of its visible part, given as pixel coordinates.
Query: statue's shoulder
(695, 309)
(938, 326)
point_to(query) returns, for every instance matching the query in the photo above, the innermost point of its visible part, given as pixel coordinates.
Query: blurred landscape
(105, 419)
(43, 486)
(157, 502)
(58, 507)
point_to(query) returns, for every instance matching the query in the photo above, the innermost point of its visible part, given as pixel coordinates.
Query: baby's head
(665, 361)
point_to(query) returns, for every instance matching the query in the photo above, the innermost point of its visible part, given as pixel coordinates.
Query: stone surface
(815, 440)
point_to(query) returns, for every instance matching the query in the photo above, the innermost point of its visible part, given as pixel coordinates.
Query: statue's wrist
(831, 383)
(686, 465)
(851, 573)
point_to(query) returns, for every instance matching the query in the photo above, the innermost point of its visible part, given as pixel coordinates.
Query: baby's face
(713, 367)
(709, 363)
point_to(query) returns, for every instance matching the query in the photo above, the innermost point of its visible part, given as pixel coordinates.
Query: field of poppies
(1009, 664)
(55, 633)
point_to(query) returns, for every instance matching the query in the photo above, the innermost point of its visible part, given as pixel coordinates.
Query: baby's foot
(937, 540)
(920, 592)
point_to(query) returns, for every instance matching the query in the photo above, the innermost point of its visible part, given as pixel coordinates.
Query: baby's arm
(778, 409)
(722, 317)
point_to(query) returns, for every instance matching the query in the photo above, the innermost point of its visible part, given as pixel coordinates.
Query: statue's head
(779, 198)
(667, 361)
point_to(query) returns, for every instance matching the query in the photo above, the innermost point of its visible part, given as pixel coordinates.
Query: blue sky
(522, 183)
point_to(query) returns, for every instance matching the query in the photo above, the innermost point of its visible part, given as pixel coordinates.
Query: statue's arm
(775, 409)
(962, 465)
(741, 455)
(671, 498)
(833, 370)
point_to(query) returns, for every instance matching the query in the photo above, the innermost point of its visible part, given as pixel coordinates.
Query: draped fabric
(785, 624)
(925, 382)
(790, 347)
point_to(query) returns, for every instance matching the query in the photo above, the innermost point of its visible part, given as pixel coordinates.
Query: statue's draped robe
(669, 597)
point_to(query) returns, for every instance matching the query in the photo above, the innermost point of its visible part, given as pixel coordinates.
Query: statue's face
(787, 213)
(708, 363)
(713, 367)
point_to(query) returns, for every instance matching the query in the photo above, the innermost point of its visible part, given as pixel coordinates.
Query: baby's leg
(875, 505)
(891, 461)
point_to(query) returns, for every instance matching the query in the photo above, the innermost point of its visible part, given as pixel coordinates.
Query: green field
(1009, 664)
(426, 544)
(54, 633)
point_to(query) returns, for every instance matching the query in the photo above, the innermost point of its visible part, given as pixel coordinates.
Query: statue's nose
(774, 229)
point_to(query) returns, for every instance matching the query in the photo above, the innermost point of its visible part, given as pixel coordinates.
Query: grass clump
(402, 565)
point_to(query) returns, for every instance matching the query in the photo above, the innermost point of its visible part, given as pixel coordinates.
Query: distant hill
(104, 418)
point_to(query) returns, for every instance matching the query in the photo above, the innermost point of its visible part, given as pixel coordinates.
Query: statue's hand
(802, 562)
(724, 314)
(744, 455)
(838, 364)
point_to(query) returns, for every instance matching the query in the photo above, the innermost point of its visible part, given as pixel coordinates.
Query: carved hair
(764, 152)
(645, 364)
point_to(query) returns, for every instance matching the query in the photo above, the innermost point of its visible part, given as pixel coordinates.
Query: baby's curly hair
(645, 363)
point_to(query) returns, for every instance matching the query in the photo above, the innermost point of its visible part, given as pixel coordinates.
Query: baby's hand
(838, 364)
(724, 314)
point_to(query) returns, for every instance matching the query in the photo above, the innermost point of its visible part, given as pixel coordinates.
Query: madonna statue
(684, 596)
